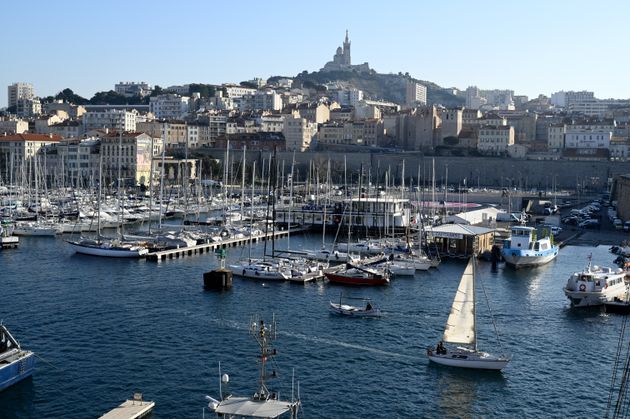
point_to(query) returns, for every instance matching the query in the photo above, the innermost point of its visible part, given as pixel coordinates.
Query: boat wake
(333, 342)
(236, 325)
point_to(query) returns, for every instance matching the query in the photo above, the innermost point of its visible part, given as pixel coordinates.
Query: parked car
(571, 220)
(626, 226)
(589, 224)
(618, 223)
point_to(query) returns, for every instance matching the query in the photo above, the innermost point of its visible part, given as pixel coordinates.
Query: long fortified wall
(477, 171)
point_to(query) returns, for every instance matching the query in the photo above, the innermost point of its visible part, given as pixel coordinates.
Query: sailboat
(461, 329)
(101, 246)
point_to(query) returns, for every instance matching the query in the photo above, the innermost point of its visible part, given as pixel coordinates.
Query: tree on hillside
(113, 98)
(248, 84)
(204, 90)
(157, 90)
(67, 95)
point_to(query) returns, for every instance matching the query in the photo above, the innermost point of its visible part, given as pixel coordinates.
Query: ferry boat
(524, 249)
(595, 286)
(16, 363)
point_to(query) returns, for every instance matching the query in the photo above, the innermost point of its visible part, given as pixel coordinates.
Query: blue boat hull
(519, 258)
(17, 371)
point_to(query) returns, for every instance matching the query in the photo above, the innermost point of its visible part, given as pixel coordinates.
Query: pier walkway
(163, 255)
(130, 409)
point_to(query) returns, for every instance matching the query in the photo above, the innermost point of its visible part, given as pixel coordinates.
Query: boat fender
(606, 285)
(582, 287)
(243, 272)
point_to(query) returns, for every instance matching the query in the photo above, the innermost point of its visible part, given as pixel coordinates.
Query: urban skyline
(538, 48)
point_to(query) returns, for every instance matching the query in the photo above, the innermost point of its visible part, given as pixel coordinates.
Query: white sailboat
(101, 246)
(461, 329)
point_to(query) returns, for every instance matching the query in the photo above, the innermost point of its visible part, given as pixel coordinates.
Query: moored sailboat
(357, 275)
(461, 329)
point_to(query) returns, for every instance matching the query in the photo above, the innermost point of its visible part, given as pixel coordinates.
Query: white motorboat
(400, 267)
(595, 286)
(369, 309)
(28, 228)
(461, 329)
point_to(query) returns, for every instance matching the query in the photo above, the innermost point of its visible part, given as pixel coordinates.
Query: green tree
(69, 96)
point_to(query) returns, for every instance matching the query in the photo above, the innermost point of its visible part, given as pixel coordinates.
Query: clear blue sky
(529, 46)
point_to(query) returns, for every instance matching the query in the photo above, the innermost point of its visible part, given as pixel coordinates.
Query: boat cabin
(522, 238)
(459, 240)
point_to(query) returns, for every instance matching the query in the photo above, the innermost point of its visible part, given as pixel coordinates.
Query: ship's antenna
(292, 384)
(220, 385)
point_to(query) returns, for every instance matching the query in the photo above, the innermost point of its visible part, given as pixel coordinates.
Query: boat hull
(590, 299)
(111, 252)
(351, 311)
(259, 273)
(45, 232)
(469, 359)
(352, 280)
(617, 307)
(526, 259)
(17, 370)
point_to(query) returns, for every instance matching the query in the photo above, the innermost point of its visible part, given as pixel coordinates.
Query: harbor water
(105, 328)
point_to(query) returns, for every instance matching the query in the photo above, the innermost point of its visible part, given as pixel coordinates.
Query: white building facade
(495, 140)
(18, 91)
(110, 119)
(169, 106)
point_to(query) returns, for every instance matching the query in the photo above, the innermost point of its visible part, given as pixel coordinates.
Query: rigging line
(613, 379)
(623, 388)
(494, 324)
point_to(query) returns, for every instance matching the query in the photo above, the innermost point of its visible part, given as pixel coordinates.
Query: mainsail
(460, 326)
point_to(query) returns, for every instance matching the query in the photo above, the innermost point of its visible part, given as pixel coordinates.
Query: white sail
(460, 326)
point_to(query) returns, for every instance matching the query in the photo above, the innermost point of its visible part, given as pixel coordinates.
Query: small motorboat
(368, 309)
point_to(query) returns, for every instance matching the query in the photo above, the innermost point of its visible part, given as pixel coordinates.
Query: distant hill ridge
(389, 87)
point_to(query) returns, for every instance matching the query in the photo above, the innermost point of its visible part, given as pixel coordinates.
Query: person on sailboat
(441, 350)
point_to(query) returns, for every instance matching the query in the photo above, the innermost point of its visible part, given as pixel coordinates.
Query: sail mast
(473, 261)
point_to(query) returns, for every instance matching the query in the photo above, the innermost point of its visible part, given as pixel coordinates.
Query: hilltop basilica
(341, 60)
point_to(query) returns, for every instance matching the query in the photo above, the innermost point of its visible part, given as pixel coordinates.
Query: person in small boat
(441, 350)
(368, 306)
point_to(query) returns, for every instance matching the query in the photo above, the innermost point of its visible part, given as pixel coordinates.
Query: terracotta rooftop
(31, 137)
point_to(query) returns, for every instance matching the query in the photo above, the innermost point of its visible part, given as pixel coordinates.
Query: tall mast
(474, 265)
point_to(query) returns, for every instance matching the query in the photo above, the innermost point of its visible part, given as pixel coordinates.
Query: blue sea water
(105, 328)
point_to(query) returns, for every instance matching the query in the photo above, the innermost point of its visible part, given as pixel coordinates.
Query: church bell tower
(346, 50)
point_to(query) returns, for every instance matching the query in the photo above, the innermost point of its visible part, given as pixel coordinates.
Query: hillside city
(342, 107)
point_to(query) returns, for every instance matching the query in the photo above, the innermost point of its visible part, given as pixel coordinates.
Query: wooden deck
(211, 247)
(130, 409)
